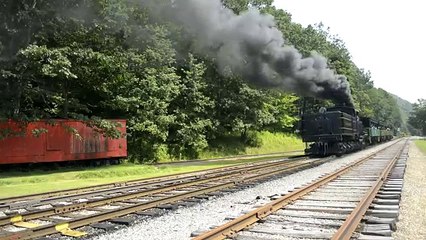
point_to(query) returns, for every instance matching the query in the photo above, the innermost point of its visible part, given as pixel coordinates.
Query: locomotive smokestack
(251, 46)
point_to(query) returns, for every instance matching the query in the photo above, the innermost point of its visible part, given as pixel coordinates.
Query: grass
(276, 142)
(16, 183)
(421, 144)
(270, 143)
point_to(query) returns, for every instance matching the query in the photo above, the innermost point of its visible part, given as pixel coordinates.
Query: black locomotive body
(337, 130)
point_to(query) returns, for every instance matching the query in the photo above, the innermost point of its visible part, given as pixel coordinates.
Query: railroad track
(77, 193)
(5, 203)
(109, 204)
(332, 207)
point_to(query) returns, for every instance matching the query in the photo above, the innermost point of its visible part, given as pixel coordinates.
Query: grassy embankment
(37, 181)
(421, 144)
(270, 143)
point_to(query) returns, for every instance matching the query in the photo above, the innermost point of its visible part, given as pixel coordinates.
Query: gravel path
(179, 224)
(412, 218)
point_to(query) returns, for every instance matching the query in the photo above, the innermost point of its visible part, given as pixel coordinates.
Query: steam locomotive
(339, 130)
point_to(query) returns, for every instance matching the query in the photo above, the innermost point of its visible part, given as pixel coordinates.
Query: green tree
(283, 110)
(418, 116)
(188, 132)
(97, 59)
(243, 5)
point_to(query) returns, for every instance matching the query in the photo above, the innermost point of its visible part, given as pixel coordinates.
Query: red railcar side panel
(58, 144)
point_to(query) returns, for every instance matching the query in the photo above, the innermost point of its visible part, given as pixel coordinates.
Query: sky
(387, 38)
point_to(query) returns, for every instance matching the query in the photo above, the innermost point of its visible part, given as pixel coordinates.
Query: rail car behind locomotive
(339, 130)
(58, 144)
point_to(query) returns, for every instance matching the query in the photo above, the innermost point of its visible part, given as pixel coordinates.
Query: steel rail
(245, 156)
(96, 203)
(230, 228)
(83, 221)
(75, 191)
(115, 184)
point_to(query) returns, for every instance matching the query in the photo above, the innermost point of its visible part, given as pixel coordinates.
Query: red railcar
(58, 144)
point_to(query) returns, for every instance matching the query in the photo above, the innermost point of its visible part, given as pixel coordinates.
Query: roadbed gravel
(412, 218)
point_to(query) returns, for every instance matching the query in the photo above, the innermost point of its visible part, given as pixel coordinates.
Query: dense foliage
(105, 59)
(418, 117)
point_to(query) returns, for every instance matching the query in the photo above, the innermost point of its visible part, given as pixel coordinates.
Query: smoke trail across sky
(250, 45)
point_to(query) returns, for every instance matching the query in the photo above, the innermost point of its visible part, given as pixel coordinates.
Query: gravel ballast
(412, 218)
(179, 224)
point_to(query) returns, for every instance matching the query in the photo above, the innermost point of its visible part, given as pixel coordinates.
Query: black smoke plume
(250, 45)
